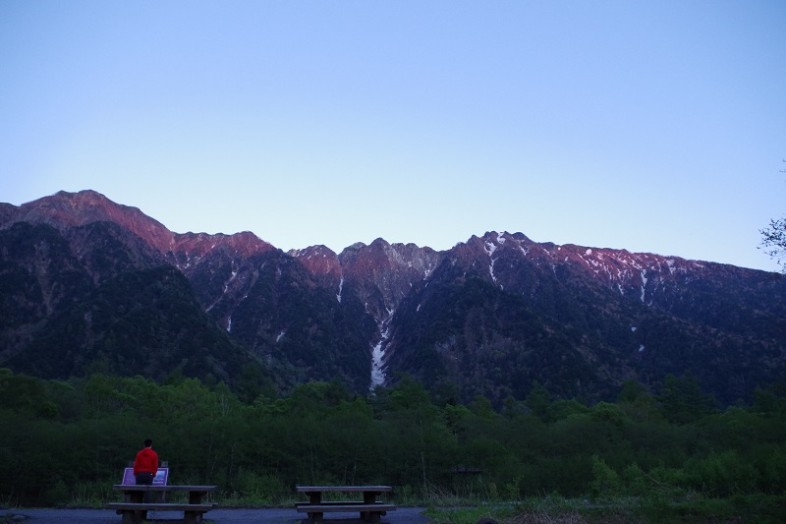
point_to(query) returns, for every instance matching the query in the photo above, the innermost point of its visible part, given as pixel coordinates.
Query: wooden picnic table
(370, 508)
(134, 508)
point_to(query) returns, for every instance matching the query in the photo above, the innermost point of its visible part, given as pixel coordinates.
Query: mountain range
(90, 285)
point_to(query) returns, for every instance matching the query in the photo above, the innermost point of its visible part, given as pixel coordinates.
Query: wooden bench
(134, 507)
(136, 512)
(369, 508)
(368, 512)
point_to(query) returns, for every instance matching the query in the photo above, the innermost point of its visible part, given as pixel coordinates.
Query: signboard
(159, 480)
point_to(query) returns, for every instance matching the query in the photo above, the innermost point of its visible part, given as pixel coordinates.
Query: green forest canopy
(65, 441)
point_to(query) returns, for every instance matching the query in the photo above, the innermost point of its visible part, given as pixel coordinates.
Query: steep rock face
(105, 249)
(299, 328)
(188, 250)
(587, 316)
(324, 266)
(320, 261)
(465, 338)
(142, 322)
(39, 278)
(381, 274)
(222, 268)
(490, 316)
(97, 298)
(267, 301)
(494, 318)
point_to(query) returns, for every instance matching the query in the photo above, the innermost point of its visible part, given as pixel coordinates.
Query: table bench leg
(370, 516)
(133, 516)
(315, 518)
(192, 517)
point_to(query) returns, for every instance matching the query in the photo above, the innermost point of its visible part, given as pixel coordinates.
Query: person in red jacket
(146, 464)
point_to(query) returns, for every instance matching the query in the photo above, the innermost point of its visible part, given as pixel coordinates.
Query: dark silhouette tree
(773, 240)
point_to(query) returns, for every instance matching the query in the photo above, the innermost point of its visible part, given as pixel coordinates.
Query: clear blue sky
(648, 126)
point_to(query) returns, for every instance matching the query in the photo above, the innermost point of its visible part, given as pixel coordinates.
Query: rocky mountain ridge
(490, 316)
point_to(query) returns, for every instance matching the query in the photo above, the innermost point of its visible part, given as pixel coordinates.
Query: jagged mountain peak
(243, 244)
(382, 274)
(500, 257)
(595, 259)
(390, 255)
(319, 260)
(63, 210)
(7, 211)
(318, 250)
(78, 209)
(491, 241)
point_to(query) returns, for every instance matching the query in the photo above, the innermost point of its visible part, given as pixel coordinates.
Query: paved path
(217, 516)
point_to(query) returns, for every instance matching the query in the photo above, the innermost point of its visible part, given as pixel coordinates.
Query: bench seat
(368, 512)
(135, 512)
(352, 503)
(305, 507)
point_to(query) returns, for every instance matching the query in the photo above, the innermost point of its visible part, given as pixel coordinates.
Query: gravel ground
(216, 516)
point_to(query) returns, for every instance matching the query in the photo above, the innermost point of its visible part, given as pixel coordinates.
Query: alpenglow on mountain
(89, 285)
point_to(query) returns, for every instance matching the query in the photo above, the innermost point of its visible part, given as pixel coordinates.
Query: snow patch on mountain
(491, 248)
(643, 284)
(378, 375)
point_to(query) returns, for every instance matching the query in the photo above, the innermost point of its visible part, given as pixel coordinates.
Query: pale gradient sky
(648, 126)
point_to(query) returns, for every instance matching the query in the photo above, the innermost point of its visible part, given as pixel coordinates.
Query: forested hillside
(67, 442)
(89, 285)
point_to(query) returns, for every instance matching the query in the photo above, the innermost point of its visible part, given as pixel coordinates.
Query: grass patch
(471, 514)
(752, 509)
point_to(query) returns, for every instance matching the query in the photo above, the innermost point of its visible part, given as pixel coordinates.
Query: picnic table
(134, 508)
(370, 508)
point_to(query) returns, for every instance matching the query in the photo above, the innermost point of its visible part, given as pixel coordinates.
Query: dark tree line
(67, 441)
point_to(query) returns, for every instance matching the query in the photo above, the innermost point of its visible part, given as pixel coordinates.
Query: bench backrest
(161, 478)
